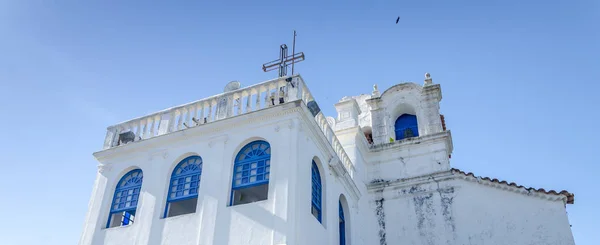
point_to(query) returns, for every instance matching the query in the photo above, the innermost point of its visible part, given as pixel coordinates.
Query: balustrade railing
(328, 132)
(221, 106)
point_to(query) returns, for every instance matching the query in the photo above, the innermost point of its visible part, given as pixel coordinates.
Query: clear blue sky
(520, 82)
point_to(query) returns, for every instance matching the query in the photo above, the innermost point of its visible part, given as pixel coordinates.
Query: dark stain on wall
(425, 215)
(378, 181)
(380, 220)
(425, 210)
(447, 200)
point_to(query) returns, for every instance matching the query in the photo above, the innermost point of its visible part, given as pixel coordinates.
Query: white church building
(262, 165)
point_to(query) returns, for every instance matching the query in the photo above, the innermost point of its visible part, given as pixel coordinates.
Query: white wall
(488, 215)
(284, 218)
(456, 211)
(402, 193)
(410, 158)
(414, 198)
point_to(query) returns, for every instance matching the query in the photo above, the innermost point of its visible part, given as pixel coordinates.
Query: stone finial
(375, 91)
(428, 80)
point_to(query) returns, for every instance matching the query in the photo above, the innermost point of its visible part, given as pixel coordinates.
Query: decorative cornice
(379, 184)
(425, 139)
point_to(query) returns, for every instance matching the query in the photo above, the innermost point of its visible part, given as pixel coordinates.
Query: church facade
(263, 165)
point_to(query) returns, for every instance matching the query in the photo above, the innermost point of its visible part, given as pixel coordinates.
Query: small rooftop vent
(126, 137)
(314, 108)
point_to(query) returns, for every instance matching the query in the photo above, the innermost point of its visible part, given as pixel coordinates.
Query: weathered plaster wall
(409, 158)
(489, 215)
(443, 209)
(419, 213)
(415, 199)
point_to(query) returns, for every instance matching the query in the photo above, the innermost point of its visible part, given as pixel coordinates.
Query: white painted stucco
(404, 192)
(272, 221)
(445, 208)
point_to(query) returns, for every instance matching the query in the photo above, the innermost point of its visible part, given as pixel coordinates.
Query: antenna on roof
(293, 52)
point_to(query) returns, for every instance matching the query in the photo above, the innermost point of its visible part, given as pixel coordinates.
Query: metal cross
(284, 60)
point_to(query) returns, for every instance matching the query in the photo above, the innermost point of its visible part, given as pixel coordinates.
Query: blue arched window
(342, 224)
(183, 189)
(125, 199)
(251, 173)
(406, 126)
(316, 191)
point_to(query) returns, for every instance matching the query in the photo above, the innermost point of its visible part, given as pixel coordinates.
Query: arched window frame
(126, 197)
(188, 171)
(406, 126)
(258, 152)
(317, 192)
(342, 224)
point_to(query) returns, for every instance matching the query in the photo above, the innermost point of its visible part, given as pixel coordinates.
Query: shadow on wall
(242, 221)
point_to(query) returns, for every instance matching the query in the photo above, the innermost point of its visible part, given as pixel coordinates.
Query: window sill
(118, 227)
(179, 216)
(244, 204)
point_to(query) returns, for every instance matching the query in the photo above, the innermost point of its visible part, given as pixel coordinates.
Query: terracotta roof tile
(570, 196)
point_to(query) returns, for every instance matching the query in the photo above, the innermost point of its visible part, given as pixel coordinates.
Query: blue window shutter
(126, 196)
(342, 227)
(185, 180)
(406, 126)
(252, 166)
(316, 191)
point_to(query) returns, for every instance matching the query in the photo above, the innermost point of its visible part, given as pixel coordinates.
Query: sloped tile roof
(570, 196)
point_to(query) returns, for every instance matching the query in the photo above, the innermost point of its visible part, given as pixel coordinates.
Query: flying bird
(397, 19)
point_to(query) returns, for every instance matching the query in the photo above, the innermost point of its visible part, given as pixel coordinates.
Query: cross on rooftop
(284, 60)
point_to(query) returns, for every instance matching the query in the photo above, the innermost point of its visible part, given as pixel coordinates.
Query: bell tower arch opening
(406, 127)
(404, 122)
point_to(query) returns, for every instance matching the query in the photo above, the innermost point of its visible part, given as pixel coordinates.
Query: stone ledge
(425, 139)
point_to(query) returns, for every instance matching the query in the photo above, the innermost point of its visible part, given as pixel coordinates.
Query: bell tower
(414, 108)
(407, 125)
